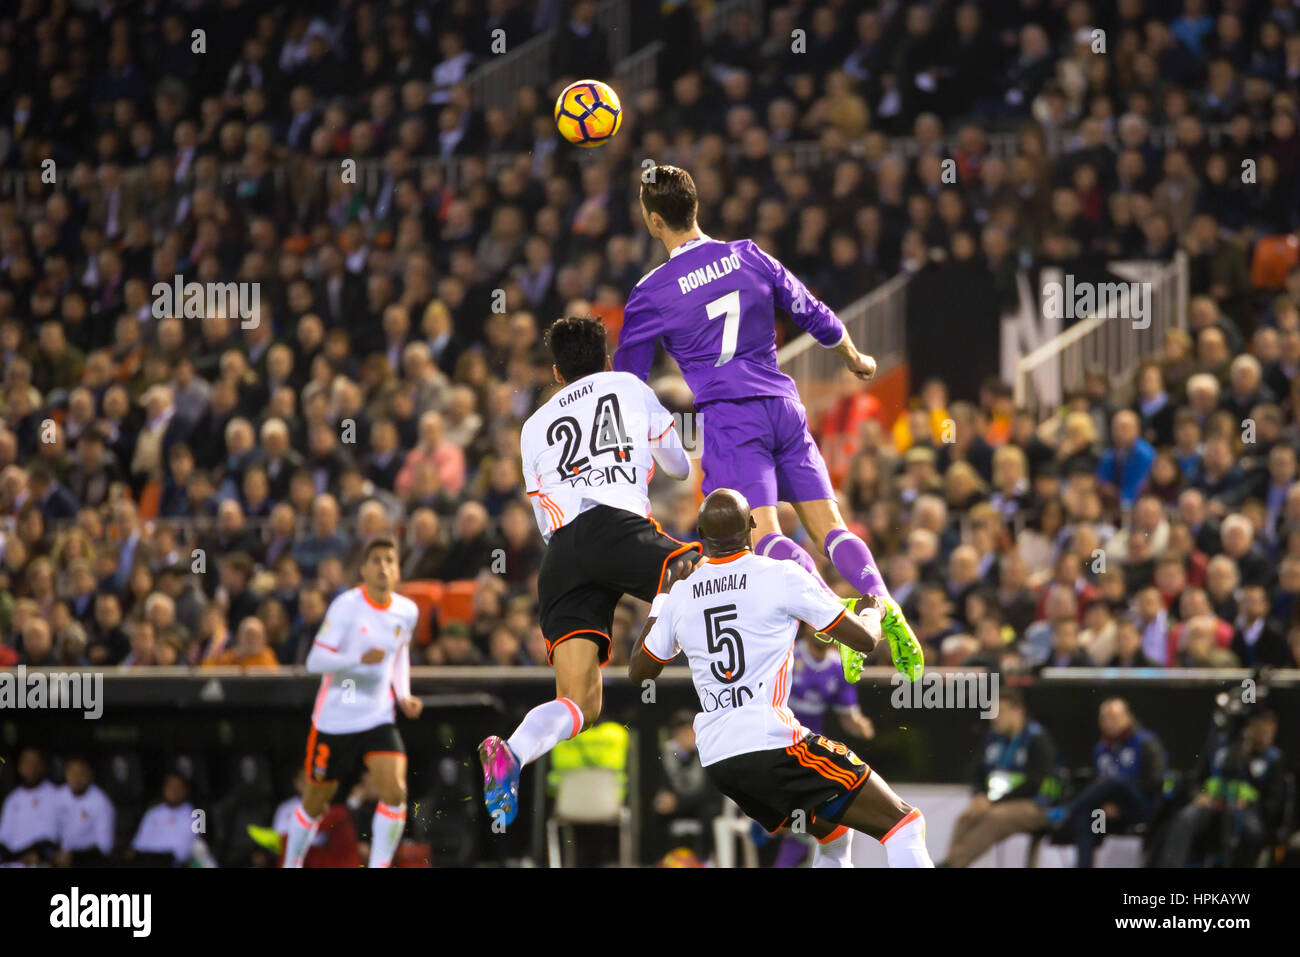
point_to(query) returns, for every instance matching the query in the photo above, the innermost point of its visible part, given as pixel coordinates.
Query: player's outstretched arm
(860, 630)
(862, 366)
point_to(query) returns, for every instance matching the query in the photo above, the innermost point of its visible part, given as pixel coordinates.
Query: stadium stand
(191, 488)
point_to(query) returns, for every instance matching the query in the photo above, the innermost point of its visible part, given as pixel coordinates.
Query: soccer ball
(587, 113)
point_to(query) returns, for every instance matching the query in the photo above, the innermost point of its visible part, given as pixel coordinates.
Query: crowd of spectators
(195, 490)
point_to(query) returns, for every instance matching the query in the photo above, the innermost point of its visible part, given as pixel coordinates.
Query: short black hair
(379, 541)
(578, 346)
(670, 192)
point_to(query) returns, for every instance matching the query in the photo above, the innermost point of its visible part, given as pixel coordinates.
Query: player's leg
(739, 454)
(388, 773)
(848, 553)
(768, 539)
(315, 800)
(576, 614)
(576, 705)
(875, 810)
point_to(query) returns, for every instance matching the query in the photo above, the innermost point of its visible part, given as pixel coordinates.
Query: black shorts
(331, 756)
(770, 786)
(591, 563)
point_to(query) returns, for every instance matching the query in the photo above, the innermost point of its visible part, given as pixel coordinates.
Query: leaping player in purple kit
(713, 305)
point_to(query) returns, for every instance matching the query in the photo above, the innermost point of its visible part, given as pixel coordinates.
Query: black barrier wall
(217, 716)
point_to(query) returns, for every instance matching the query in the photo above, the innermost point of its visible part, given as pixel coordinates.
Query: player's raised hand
(681, 567)
(861, 365)
(373, 656)
(411, 706)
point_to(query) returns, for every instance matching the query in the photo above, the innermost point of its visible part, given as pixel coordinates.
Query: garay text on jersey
(584, 390)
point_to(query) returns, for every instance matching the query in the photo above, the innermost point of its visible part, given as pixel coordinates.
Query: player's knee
(393, 793)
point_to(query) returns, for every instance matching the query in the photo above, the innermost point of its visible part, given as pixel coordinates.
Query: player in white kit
(736, 617)
(588, 455)
(363, 653)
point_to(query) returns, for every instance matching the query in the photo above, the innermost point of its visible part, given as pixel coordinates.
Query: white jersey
(29, 816)
(355, 697)
(85, 820)
(595, 442)
(167, 830)
(736, 619)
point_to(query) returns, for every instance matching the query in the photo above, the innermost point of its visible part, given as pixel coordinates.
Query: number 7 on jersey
(727, 306)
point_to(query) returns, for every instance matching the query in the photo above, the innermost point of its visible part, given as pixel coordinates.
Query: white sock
(544, 727)
(301, 831)
(834, 851)
(386, 833)
(905, 842)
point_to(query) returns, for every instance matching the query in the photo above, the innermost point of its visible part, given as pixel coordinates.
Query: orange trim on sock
(577, 715)
(911, 816)
(834, 835)
(387, 810)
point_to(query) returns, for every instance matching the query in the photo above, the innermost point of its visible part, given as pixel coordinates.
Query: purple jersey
(713, 305)
(818, 686)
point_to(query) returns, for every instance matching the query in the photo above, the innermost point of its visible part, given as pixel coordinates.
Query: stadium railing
(1107, 340)
(878, 324)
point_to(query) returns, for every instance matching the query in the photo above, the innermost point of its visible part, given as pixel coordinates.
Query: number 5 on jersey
(725, 642)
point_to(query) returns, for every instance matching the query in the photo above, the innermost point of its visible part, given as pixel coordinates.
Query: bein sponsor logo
(35, 690)
(969, 689)
(75, 910)
(197, 300)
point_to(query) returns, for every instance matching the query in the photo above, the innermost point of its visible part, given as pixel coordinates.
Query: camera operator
(1242, 792)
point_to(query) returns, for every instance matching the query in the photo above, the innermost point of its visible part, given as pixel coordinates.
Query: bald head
(725, 522)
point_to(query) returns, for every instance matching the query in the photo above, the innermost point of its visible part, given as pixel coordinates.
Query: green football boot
(851, 661)
(909, 658)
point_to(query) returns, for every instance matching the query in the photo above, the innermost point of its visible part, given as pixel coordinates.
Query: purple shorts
(761, 448)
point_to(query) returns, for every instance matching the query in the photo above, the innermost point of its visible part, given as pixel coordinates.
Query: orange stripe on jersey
(728, 558)
(327, 647)
(838, 618)
(320, 700)
(372, 603)
(663, 433)
(651, 654)
(551, 510)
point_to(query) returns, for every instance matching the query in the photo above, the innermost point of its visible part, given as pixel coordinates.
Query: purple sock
(775, 545)
(852, 559)
(791, 853)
